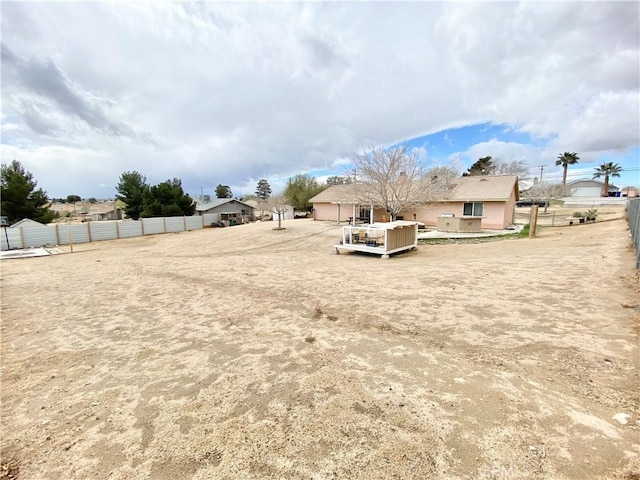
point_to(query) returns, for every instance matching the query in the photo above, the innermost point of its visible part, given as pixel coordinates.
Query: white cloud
(230, 93)
(609, 121)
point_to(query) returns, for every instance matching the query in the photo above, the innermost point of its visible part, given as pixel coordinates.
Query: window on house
(365, 214)
(473, 209)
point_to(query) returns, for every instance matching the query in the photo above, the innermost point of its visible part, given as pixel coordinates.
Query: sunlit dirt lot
(249, 353)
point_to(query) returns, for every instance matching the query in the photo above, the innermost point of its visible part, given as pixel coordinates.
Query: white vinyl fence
(64, 234)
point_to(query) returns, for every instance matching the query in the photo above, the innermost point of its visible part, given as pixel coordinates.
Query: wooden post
(57, 233)
(89, 231)
(70, 241)
(117, 231)
(533, 221)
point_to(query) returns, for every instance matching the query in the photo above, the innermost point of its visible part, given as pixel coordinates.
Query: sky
(229, 93)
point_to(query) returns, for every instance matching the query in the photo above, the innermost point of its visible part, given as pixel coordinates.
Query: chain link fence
(634, 225)
(550, 219)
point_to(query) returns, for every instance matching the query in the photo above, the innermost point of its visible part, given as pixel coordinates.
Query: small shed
(380, 238)
(287, 214)
(106, 213)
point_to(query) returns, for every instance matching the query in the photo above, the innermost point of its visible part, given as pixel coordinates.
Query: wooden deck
(379, 238)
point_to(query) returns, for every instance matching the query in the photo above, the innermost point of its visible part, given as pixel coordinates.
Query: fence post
(533, 221)
(117, 231)
(57, 233)
(164, 224)
(142, 225)
(184, 222)
(70, 241)
(89, 231)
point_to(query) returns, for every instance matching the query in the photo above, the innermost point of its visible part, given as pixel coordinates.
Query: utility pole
(541, 170)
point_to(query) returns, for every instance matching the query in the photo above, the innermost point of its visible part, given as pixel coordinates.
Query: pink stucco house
(492, 198)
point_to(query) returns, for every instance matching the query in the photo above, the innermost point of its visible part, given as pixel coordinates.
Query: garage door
(586, 192)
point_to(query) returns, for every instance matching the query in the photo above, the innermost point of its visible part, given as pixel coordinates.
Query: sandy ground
(249, 353)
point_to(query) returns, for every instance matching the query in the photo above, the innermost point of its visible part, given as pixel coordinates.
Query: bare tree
(279, 207)
(395, 179)
(339, 180)
(514, 167)
(442, 172)
(543, 191)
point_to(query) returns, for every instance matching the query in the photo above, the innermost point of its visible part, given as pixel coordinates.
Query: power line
(585, 174)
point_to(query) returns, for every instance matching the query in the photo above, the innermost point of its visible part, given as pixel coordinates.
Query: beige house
(490, 198)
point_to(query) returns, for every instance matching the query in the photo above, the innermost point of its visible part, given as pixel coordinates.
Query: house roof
(484, 187)
(339, 194)
(27, 222)
(217, 202)
(463, 189)
(101, 209)
(591, 182)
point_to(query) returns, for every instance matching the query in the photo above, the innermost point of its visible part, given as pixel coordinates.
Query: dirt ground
(249, 353)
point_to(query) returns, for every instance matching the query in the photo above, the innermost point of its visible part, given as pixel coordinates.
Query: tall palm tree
(565, 159)
(607, 170)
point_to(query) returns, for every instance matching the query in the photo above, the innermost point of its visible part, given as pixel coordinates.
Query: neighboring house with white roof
(28, 223)
(589, 188)
(492, 198)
